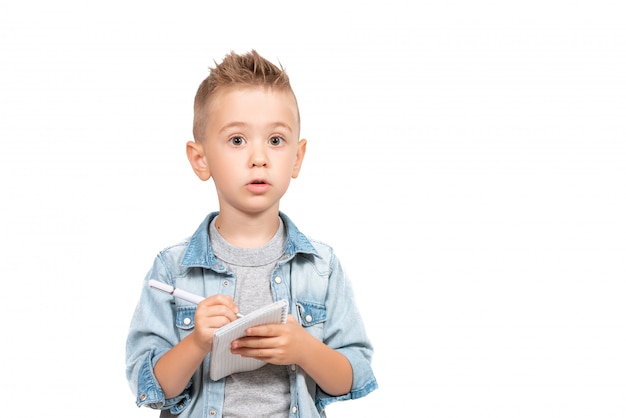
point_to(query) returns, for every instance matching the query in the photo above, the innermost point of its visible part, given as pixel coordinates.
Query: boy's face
(251, 147)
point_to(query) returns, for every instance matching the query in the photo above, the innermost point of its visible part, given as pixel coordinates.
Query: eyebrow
(237, 124)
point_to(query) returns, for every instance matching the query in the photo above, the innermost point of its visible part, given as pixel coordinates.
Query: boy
(249, 254)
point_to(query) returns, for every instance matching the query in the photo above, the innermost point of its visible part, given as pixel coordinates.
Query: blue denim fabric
(309, 275)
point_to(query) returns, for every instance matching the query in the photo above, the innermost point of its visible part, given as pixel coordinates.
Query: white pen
(179, 293)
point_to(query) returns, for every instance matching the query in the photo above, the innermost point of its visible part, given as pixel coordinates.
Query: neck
(246, 231)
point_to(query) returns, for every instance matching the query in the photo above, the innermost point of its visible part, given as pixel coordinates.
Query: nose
(258, 157)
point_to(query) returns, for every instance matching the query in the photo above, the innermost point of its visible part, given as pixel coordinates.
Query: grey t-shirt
(263, 392)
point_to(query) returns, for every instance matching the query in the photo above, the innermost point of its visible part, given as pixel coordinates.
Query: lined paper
(223, 362)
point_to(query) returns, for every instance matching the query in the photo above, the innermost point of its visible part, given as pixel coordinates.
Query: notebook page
(223, 362)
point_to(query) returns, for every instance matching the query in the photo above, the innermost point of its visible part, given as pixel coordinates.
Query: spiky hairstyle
(245, 70)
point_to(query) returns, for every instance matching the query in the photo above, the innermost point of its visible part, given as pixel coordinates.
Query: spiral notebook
(223, 362)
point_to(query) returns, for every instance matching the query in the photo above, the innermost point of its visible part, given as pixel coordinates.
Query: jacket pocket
(185, 317)
(311, 313)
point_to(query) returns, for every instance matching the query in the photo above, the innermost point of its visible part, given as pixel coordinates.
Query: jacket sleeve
(345, 332)
(151, 334)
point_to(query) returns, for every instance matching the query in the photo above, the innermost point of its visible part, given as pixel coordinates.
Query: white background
(466, 159)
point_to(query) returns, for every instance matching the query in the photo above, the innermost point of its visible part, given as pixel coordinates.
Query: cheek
(286, 168)
(223, 172)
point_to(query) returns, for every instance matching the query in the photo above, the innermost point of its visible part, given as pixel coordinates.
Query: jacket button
(143, 397)
(278, 280)
(308, 318)
(187, 321)
(294, 410)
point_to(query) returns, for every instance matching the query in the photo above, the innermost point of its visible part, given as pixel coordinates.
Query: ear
(197, 159)
(299, 157)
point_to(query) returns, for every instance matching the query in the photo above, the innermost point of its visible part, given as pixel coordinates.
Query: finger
(214, 307)
(258, 353)
(219, 299)
(214, 317)
(268, 330)
(251, 343)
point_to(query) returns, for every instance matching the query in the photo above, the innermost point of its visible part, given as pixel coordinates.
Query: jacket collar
(200, 254)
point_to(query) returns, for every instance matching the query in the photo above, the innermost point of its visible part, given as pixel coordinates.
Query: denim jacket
(308, 275)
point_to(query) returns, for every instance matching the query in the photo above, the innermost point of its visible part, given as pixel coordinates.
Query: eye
(276, 140)
(237, 140)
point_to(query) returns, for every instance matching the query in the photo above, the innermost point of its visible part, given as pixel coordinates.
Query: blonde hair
(246, 70)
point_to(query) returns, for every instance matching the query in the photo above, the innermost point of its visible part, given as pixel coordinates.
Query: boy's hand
(212, 313)
(274, 343)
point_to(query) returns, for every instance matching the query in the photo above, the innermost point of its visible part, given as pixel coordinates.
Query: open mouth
(258, 186)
